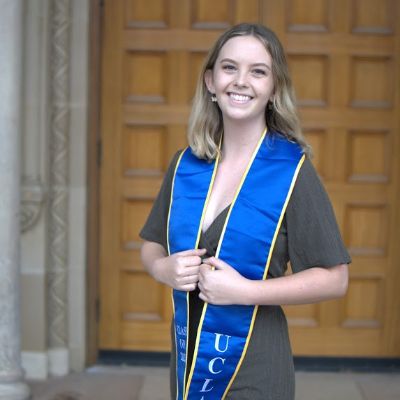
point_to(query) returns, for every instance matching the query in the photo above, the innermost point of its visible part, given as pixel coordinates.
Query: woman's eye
(228, 67)
(259, 72)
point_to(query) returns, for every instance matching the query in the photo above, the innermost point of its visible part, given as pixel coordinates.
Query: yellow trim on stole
(171, 196)
(217, 252)
(265, 272)
(169, 253)
(196, 245)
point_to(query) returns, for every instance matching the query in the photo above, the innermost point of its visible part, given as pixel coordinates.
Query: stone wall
(53, 212)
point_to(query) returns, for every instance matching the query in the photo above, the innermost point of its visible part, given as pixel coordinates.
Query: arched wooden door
(344, 59)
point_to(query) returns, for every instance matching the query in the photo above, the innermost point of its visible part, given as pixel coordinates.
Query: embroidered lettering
(181, 330)
(221, 345)
(217, 344)
(205, 384)
(211, 365)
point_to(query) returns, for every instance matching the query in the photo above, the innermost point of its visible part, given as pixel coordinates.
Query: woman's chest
(224, 187)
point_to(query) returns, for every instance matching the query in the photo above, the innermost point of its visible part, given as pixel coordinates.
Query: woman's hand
(179, 271)
(221, 284)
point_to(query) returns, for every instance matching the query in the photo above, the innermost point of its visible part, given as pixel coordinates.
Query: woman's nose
(241, 80)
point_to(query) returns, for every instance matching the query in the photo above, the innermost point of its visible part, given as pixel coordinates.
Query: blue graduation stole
(246, 243)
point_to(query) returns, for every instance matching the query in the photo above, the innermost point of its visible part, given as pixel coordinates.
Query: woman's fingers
(190, 279)
(188, 283)
(189, 287)
(192, 252)
(204, 269)
(216, 263)
(191, 261)
(189, 271)
(188, 261)
(185, 269)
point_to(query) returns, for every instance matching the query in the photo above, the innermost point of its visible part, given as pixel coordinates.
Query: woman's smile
(239, 98)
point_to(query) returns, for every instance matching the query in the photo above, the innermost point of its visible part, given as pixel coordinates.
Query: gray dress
(308, 237)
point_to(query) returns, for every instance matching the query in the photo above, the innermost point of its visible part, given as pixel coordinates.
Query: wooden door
(343, 56)
(344, 61)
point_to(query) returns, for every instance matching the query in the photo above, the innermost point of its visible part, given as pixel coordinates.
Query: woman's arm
(224, 285)
(179, 271)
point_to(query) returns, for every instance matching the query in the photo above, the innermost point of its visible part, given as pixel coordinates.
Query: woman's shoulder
(176, 156)
(309, 190)
(179, 153)
(308, 175)
(279, 140)
(173, 162)
(295, 142)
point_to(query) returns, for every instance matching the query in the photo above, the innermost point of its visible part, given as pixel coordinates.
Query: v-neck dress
(308, 237)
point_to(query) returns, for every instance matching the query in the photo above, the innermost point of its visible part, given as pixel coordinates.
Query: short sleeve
(313, 235)
(155, 227)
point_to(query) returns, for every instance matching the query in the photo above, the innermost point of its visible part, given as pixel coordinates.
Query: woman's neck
(240, 140)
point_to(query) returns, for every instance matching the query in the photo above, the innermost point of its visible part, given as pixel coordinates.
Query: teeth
(239, 97)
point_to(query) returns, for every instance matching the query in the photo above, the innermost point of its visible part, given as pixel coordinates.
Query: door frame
(93, 180)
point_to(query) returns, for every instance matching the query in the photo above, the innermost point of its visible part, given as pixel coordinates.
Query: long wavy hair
(206, 124)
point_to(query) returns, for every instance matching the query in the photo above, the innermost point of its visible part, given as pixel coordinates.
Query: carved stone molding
(32, 200)
(57, 273)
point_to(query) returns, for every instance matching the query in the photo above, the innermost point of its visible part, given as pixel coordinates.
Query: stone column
(11, 375)
(57, 270)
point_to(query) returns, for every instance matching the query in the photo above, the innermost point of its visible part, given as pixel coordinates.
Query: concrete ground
(150, 383)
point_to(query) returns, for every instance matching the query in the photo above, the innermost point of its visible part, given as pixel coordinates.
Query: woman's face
(242, 79)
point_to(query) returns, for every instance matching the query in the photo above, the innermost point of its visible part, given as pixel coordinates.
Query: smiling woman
(235, 207)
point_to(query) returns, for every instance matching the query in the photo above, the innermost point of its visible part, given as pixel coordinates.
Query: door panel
(344, 61)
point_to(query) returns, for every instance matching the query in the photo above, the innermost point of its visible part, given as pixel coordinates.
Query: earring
(213, 98)
(270, 106)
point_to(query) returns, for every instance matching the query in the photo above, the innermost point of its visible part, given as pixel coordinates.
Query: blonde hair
(205, 122)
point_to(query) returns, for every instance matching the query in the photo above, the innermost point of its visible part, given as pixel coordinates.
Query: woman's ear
(208, 80)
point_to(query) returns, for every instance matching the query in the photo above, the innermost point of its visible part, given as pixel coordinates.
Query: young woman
(234, 208)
